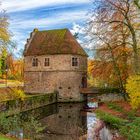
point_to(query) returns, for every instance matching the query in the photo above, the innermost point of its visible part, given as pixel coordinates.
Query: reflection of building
(67, 124)
(55, 61)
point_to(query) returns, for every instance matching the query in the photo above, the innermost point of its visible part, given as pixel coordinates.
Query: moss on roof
(59, 41)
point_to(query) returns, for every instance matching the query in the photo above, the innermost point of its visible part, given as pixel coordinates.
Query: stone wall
(57, 63)
(107, 97)
(67, 84)
(59, 76)
(30, 102)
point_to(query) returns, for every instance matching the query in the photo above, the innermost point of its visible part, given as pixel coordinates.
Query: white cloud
(21, 5)
(83, 38)
(48, 22)
(77, 28)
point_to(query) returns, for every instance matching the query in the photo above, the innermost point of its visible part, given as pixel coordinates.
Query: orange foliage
(103, 68)
(15, 67)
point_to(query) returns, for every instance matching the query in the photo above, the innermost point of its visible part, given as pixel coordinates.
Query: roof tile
(59, 41)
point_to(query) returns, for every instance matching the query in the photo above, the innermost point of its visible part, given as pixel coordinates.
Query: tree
(137, 3)
(104, 68)
(127, 15)
(4, 33)
(133, 89)
(114, 29)
(5, 41)
(3, 65)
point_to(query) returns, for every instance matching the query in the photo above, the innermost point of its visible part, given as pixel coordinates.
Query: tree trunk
(136, 62)
(118, 73)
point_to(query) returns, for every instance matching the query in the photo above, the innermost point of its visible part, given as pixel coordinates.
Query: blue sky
(25, 15)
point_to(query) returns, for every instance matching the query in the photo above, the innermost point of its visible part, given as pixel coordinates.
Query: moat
(61, 121)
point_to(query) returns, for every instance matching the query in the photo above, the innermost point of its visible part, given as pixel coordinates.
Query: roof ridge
(54, 30)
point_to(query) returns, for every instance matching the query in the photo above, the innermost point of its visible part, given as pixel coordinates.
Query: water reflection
(59, 122)
(66, 124)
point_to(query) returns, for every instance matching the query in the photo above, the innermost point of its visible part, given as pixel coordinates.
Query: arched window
(35, 62)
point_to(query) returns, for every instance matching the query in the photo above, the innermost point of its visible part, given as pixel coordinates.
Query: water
(63, 121)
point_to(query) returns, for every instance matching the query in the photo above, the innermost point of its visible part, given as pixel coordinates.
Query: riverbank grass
(120, 116)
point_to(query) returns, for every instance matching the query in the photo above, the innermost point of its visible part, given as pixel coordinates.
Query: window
(35, 62)
(47, 62)
(74, 61)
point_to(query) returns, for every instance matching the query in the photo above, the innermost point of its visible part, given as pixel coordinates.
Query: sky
(25, 15)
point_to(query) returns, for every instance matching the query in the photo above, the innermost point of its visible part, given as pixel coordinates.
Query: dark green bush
(109, 90)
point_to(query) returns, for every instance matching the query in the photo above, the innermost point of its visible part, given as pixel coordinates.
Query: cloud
(83, 38)
(22, 5)
(59, 19)
(25, 15)
(77, 28)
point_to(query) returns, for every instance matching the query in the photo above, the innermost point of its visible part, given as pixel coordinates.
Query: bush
(19, 94)
(113, 121)
(109, 90)
(133, 90)
(131, 130)
(16, 76)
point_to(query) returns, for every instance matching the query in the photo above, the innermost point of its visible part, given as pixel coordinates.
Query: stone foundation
(67, 84)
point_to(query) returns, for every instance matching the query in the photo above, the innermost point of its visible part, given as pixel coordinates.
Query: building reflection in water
(65, 121)
(69, 123)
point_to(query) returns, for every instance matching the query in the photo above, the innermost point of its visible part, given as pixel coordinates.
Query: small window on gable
(47, 62)
(74, 61)
(35, 62)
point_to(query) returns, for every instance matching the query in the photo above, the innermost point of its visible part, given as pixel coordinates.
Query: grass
(129, 114)
(111, 120)
(131, 130)
(115, 107)
(128, 126)
(5, 138)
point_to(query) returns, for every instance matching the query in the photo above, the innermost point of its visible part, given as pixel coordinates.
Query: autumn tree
(6, 45)
(127, 15)
(113, 28)
(4, 32)
(3, 65)
(15, 68)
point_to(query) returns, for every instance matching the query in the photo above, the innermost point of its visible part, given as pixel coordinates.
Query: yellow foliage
(19, 94)
(91, 81)
(90, 66)
(133, 89)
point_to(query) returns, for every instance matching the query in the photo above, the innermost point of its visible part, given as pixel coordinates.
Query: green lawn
(5, 138)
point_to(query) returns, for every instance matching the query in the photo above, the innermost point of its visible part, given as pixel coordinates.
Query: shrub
(133, 90)
(19, 94)
(109, 90)
(131, 130)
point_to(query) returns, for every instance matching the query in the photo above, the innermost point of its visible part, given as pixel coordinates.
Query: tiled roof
(59, 41)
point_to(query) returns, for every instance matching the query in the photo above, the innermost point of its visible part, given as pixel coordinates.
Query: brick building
(55, 61)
